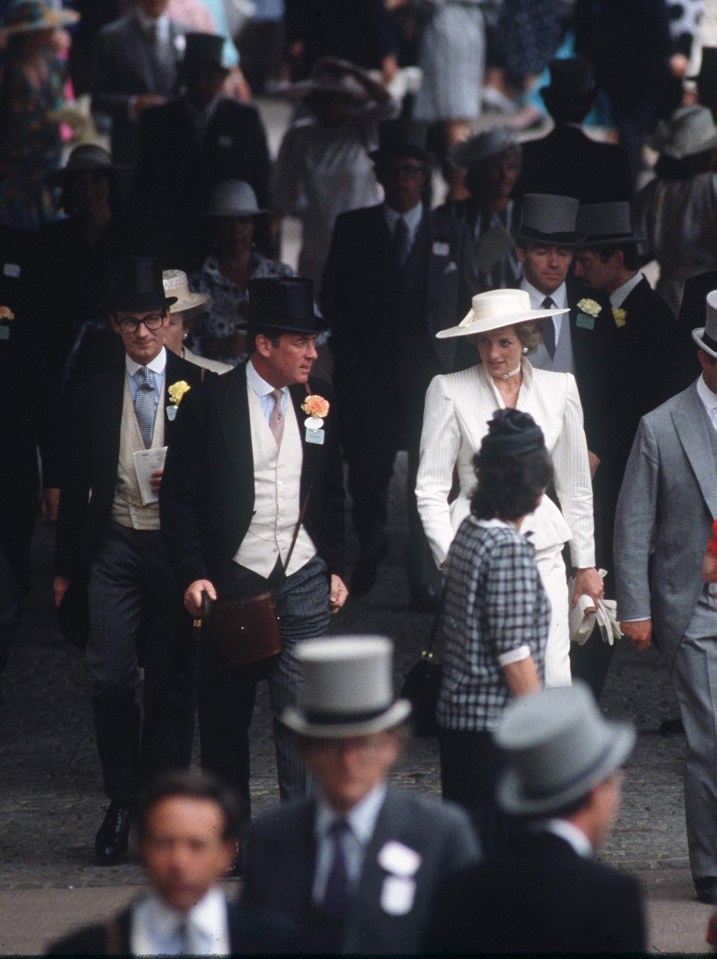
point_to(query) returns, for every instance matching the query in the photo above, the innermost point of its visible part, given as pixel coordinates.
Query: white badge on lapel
(399, 888)
(440, 249)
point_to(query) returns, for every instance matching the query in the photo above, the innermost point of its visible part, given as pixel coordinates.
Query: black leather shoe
(425, 599)
(112, 837)
(706, 890)
(363, 579)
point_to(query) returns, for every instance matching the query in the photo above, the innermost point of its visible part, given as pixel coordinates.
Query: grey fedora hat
(557, 747)
(490, 143)
(346, 688)
(606, 224)
(689, 131)
(233, 198)
(706, 336)
(83, 158)
(548, 218)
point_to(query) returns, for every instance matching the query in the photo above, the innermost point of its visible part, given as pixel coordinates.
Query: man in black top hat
(251, 449)
(119, 424)
(567, 161)
(395, 275)
(189, 145)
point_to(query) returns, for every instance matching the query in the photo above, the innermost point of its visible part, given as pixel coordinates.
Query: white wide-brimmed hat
(557, 747)
(706, 336)
(346, 688)
(495, 309)
(190, 305)
(26, 16)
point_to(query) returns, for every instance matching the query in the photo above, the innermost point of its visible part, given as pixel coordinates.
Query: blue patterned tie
(144, 405)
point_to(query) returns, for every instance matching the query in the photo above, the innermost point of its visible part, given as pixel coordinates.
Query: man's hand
(588, 582)
(193, 596)
(155, 480)
(593, 462)
(60, 585)
(639, 633)
(49, 503)
(338, 594)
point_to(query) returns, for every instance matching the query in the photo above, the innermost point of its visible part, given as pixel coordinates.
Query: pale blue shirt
(559, 298)
(155, 370)
(156, 929)
(618, 296)
(264, 390)
(362, 822)
(412, 217)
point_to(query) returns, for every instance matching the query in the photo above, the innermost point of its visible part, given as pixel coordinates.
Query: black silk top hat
(706, 336)
(549, 219)
(203, 50)
(135, 285)
(284, 303)
(606, 224)
(572, 84)
(402, 138)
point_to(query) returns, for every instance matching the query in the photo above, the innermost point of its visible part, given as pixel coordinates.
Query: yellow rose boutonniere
(177, 390)
(590, 307)
(316, 408)
(620, 316)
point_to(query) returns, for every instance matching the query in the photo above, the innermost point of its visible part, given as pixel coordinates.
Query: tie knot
(338, 829)
(277, 394)
(143, 379)
(548, 303)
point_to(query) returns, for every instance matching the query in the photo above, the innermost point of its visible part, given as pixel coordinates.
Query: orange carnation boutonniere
(316, 409)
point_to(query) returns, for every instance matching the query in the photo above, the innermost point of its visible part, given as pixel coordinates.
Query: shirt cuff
(515, 655)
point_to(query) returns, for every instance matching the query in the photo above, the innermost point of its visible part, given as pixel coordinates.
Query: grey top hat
(490, 143)
(606, 224)
(557, 747)
(233, 198)
(346, 688)
(690, 130)
(706, 336)
(548, 218)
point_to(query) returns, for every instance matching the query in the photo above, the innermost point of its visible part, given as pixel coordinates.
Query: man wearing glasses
(108, 543)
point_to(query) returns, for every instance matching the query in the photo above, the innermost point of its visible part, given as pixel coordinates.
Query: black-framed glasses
(130, 324)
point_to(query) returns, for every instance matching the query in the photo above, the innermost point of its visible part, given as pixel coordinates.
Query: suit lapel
(692, 427)
(140, 52)
(311, 452)
(233, 413)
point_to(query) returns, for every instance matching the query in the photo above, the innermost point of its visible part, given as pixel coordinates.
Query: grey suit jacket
(669, 498)
(281, 858)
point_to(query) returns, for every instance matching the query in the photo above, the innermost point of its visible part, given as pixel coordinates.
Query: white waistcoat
(127, 508)
(277, 492)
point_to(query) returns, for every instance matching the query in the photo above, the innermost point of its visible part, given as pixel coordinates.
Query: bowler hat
(283, 303)
(83, 158)
(402, 138)
(135, 284)
(233, 198)
(203, 50)
(494, 310)
(26, 16)
(490, 143)
(572, 84)
(557, 747)
(346, 688)
(689, 131)
(706, 336)
(606, 224)
(550, 219)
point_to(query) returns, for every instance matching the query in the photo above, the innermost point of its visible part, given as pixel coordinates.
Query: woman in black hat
(496, 614)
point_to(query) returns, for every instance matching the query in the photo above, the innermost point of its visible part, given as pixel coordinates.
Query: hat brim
(567, 240)
(697, 337)
(401, 150)
(513, 800)
(396, 714)
(470, 326)
(613, 239)
(141, 303)
(60, 19)
(320, 326)
(189, 303)
(666, 150)
(304, 87)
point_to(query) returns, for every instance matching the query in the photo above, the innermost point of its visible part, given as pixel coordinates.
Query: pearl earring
(524, 350)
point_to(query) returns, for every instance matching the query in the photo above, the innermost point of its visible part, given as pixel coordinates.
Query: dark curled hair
(270, 332)
(190, 785)
(508, 487)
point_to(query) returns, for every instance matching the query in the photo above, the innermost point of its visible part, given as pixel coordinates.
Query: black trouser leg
(117, 723)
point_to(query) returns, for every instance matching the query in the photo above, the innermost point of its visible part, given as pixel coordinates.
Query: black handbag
(422, 685)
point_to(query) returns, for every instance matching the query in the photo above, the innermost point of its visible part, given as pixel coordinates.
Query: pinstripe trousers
(226, 695)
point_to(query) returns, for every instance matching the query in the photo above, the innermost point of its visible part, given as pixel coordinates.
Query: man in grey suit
(361, 863)
(667, 504)
(134, 67)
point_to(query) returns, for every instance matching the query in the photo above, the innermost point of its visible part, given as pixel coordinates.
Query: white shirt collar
(258, 383)
(148, 22)
(155, 922)
(575, 837)
(412, 218)
(361, 818)
(494, 523)
(157, 365)
(559, 297)
(618, 296)
(709, 399)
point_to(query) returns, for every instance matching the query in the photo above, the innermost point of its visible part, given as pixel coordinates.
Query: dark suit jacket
(89, 471)
(251, 932)
(124, 65)
(207, 494)
(440, 833)
(176, 173)
(566, 162)
(383, 320)
(539, 895)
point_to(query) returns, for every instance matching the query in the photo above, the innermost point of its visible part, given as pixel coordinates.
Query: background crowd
(480, 185)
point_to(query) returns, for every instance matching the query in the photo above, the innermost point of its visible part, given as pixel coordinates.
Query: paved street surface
(51, 801)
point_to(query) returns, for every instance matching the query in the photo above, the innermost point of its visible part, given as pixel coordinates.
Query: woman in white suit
(458, 406)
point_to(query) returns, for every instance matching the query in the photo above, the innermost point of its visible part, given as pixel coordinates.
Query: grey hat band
(566, 785)
(553, 239)
(328, 718)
